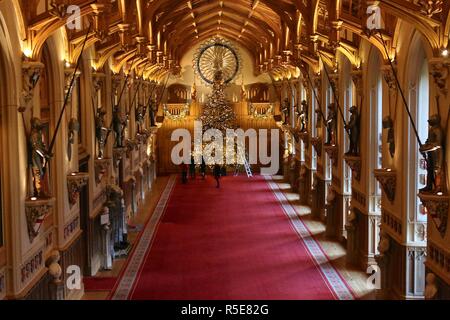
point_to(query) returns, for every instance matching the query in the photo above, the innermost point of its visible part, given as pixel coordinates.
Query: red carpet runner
(99, 283)
(243, 241)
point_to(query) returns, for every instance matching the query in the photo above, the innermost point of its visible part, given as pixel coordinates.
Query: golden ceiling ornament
(217, 54)
(430, 8)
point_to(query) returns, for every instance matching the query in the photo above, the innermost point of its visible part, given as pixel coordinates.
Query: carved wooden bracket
(357, 78)
(389, 78)
(440, 69)
(36, 210)
(388, 181)
(97, 80)
(118, 154)
(354, 162)
(430, 8)
(142, 137)
(101, 167)
(333, 152)
(437, 208)
(75, 182)
(131, 145)
(317, 145)
(305, 137)
(116, 84)
(31, 72)
(334, 81)
(68, 74)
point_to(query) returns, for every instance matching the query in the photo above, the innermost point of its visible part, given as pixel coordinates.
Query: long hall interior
(224, 150)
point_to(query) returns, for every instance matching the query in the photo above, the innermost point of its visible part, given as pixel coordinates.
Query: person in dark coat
(192, 168)
(184, 173)
(203, 168)
(217, 174)
(224, 171)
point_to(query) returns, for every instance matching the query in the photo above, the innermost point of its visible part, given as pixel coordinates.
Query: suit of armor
(38, 156)
(331, 124)
(353, 128)
(101, 132)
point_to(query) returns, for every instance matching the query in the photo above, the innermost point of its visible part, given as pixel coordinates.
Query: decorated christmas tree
(217, 112)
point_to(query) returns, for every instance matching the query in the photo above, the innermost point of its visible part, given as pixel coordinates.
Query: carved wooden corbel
(97, 80)
(333, 152)
(430, 8)
(68, 74)
(305, 137)
(317, 145)
(131, 145)
(440, 71)
(75, 182)
(357, 77)
(101, 168)
(437, 206)
(36, 210)
(389, 78)
(388, 181)
(354, 162)
(334, 81)
(31, 72)
(118, 155)
(58, 9)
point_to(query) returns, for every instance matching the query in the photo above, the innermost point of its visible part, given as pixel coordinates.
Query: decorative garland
(255, 115)
(177, 117)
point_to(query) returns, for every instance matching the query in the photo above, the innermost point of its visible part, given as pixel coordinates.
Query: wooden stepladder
(246, 165)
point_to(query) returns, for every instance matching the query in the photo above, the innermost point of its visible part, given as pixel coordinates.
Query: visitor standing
(217, 174)
(203, 168)
(192, 168)
(184, 173)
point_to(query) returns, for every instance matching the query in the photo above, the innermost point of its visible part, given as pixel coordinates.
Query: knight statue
(353, 130)
(101, 131)
(434, 155)
(38, 158)
(331, 124)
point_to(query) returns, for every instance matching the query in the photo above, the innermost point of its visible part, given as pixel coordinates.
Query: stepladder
(246, 166)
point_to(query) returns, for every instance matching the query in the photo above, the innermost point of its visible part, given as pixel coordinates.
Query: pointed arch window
(376, 130)
(314, 121)
(422, 117)
(348, 102)
(329, 99)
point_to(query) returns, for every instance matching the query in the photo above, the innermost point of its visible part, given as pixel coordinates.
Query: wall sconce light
(445, 53)
(27, 52)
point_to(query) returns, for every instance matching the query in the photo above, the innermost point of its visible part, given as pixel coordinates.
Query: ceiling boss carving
(431, 7)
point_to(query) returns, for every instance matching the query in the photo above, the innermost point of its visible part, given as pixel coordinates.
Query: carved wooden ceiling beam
(243, 41)
(431, 28)
(231, 25)
(228, 11)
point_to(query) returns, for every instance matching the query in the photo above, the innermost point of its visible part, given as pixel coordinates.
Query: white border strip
(129, 277)
(331, 274)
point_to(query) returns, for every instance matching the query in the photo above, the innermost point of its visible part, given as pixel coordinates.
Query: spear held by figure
(116, 113)
(39, 156)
